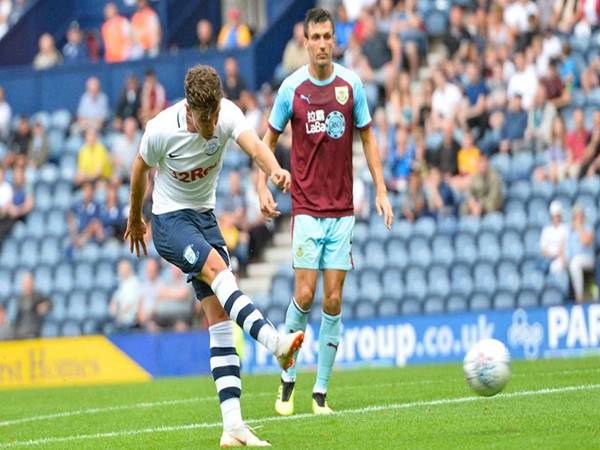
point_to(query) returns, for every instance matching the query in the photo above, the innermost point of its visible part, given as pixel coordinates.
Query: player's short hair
(317, 15)
(203, 89)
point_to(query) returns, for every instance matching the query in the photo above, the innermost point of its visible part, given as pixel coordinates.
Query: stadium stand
(443, 260)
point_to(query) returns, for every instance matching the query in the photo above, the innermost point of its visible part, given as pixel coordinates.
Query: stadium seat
(396, 252)
(433, 305)
(533, 280)
(36, 224)
(559, 281)
(492, 223)
(42, 117)
(521, 167)
(60, 119)
(5, 284)
(479, 302)
(10, 249)
(360, 233)
(567, 188)
(410, 306)
(50, 329)
(43, 279)
(516, 220)
(520, 190)
(90, 253)
(443, 251)
(70, 328)
(29, 255)
(50, 252)
(552, 297)
(63, 278)
(484, 278)
(456, 303)
(276, 314)
(447, 225)
(84, 276)
(532, 242)
(511, 246)
(57, 224)
(543, 190)
(402, 229)
(91, 326)
(351, 288)
(589, 186)
(77, 305)
(374, 254)
(527, 299)
(419, 252)
(387, 307)
(377, 228)
(424, 227)
(98, 305)
(43, 197)
(365, 310)
(468, 224)
(501, 163)
(504, 300)
(391, 280)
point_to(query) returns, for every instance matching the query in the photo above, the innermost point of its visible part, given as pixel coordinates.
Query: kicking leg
(329, 336)
(241, 309)
(225, 368)
(295, 320)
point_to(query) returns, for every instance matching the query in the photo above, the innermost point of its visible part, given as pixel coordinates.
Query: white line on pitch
(368, 409)
(158, 404)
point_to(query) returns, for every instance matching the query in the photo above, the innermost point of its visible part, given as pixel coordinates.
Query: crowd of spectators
(499, 79)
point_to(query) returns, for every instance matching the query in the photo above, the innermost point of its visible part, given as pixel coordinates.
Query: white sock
(232, 414)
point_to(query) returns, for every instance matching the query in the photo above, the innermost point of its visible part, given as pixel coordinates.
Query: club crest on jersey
(341, 94)
(211, 146)
(335, 124)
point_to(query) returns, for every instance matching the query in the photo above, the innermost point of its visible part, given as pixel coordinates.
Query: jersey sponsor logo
(212, 146)
(335, 124)
(194, 174)
(315, 121)
(341, 94)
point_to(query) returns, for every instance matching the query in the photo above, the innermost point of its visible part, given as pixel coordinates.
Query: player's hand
(136, 229)
(282, 179)
(383, 206)
(268, 206)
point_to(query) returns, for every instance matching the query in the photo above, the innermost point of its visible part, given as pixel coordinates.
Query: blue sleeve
(362, 117)
(282, 109)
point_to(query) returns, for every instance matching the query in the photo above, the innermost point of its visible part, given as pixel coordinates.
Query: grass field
(547, 404)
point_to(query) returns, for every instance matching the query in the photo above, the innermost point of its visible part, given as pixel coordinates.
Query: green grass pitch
(547, 404)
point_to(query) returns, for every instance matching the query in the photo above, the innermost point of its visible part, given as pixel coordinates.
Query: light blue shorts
(322, 243)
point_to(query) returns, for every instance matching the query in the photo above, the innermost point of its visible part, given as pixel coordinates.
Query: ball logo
(335, 124)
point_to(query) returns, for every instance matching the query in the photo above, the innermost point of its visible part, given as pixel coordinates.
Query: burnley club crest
(341, 94)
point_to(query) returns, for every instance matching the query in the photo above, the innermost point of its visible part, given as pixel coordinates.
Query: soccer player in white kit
(185, 143)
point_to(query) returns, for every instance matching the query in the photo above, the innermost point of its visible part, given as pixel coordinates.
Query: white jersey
(188, 164)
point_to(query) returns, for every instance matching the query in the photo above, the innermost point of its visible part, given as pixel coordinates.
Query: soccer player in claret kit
(186, 143)
(324, 102)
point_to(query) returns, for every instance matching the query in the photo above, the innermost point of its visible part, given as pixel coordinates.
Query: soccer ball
(487, 367)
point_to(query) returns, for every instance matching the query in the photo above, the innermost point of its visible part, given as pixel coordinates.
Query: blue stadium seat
(68, 166)
(365, 310)
(43, 197)
(433, 305)
(62, 195)
(567, 188)
(42, 117)
(44, 280)
(57, 224)
(424, 227)
(71, 328)
(84, 276)
(90, 253)
(91, 326)
(388, 307)
(442, 250)
(73, 144)
(527, 299)
(276, 314)
(516, 219)
(60, 119)
(488, 248)
(98, 305)
(520, 190)
(493, 223)
(59, 308)
(533, 281)
(479, 302)
(410, 306)
(360, 232)
(501, 163)
(415, 284)
(8, 259)
(402, 229)
(77, 305)
(456, 303)
(511, 245)
(504, 300)
(63, 278)
(559, 281)
(391, 280)
(532, 242)
(521, 166)
(29, 256)
(396, 252)
(18, 232)
(50, 252)
(377, 228)
(370, 285)
(468, 224)
(589, 186)
(374, 254)
(419, 252)
(36, 224)
(543, 190)
(50, 329)
(447, 225)
(529, 264)
(5, 283)
(484, 278)
(552, 297)
(465, 254)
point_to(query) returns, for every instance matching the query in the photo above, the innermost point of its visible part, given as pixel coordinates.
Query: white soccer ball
(487, 367)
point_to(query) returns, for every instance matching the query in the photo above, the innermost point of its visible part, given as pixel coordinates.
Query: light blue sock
(295, 320)
(329, 339)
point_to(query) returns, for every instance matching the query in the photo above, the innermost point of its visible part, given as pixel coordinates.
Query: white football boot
(286, 347)
(242, 437)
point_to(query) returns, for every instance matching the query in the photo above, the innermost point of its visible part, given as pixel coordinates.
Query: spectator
(401, 160)
(126, 300)
(116, 35)
(445, 156)
(128, 104)
(19, 144)
(498, 33)
(446, 99)
(20, 204)
(32, 308)
(577, 140)
(540, 120)
(92, 111)
(553, 241)
(295, 55)
(260, 231)
(344, 28)
(37, 153)
(580, 251)
(591, 160)
(457, 37)
(473, 112)
(523, 82)
(235, 203)
(146, 28)
(555, 88)
(93, 162)
(439, 198)
(4, 26)
(555, 167)
(75, 51)
(174, 305)
(408, 25)
(249, 105)
(468, 157)
(6, 330)
(234, 33)
(48, 56)
(150, 296)
(111, 215)
(233, 83)
(515, 124)
(5, 117)
(414, 203)
(6, 196)
(83, 218)
(360, 198)
(153, 99)
(204, 32)
(235, 239)
(485, 194)
(125, 148)
(402, 106)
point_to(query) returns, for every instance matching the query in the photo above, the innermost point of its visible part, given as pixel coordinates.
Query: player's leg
(336, 261)
(225, 368)
(306, 249)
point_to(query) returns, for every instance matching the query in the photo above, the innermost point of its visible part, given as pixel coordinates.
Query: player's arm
(382, 203)
(264, 158)
(268, 205)
(136, 228)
